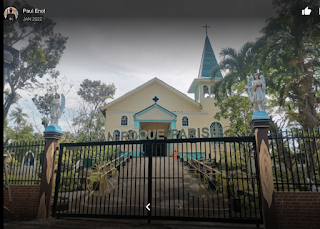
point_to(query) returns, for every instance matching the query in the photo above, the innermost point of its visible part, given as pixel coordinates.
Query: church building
(156, 105)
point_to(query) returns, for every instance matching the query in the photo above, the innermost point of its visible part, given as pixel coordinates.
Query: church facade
(156, 105)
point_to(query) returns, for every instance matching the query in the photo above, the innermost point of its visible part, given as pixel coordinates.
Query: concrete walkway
(79, 223)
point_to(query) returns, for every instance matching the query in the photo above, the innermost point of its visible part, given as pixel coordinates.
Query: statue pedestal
(52, 134)
(53, 129)
(260, 119)
(257, 115)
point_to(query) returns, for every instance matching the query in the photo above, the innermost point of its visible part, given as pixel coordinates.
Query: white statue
(56, 109)
(257, 91)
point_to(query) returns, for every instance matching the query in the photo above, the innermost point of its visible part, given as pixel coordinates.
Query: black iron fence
(213, 179)
(24, 162)
(295, 157)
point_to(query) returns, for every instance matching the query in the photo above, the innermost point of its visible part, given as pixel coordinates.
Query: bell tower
(201, 86)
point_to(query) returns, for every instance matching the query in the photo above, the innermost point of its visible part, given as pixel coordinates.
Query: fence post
(259, 124)
(52, 134)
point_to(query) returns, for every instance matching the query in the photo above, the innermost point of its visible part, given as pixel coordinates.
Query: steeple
(208, 60)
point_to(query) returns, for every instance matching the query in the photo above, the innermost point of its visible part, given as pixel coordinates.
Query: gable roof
(155, 105)
(154, 80)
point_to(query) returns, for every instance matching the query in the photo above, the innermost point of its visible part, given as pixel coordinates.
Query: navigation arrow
(147, 207)
(179, 207)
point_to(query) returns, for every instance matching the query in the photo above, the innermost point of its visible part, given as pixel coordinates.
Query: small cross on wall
(155, 99)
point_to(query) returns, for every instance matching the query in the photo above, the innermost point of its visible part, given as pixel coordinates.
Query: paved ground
(174, 192)
(78, 223)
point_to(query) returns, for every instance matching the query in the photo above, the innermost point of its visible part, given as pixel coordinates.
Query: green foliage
(225, 187)
(238, 65)
(43, 103)
(289, 56)
(38, 58)
(95, 93)
(231, 93)
(18, 115)
(69, 179)
(235, 161)
(89, 119)
(24, 133)
(238, 109)
(91, 126)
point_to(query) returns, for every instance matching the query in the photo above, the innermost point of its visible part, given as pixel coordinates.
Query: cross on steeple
(155, 99)
(206, 26)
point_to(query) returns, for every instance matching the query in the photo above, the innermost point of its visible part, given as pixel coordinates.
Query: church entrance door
(159, 149)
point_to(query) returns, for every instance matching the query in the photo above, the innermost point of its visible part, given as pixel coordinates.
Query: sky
(130, 42)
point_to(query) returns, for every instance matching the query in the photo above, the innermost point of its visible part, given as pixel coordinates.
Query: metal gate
(212, 179)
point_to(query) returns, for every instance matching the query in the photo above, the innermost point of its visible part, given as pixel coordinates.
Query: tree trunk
(7, 105)
(306, 100)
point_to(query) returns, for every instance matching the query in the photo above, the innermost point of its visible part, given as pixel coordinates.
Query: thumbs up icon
(306, 11)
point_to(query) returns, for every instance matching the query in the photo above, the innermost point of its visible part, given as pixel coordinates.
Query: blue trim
(155, 120)
(136, 115)
(56, 129)
(136, 124)
(173, 124)
(259, 115)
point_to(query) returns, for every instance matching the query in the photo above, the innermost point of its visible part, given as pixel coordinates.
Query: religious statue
(257, 91)
(57, 109)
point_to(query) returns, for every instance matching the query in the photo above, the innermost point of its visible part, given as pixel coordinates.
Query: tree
(43, 100)
(290, 56)
(38, 57)
(238, 109)
(18, 116)
(230, 92)
(237, 65)
(95, 93)
(24, 133)
(88, 118)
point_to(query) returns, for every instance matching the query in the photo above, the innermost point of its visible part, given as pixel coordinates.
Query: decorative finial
(206, 26)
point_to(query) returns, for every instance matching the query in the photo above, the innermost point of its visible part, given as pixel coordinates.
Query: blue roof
(208, 61)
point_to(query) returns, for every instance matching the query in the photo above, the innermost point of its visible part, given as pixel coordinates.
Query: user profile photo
(11, 13)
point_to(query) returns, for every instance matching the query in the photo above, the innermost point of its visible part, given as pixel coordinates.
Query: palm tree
(237, 65)
(290, 52)
(18, 116)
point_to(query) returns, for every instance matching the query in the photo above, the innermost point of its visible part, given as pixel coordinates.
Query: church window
(216, 129)
(206, 93)
(116, 134)
(124, 120)
(211, 92)
(185, 121)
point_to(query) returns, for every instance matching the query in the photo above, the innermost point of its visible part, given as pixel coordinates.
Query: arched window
(116, 134)
(124, 120)
(185, 121)
(216, 129)
(206, 93)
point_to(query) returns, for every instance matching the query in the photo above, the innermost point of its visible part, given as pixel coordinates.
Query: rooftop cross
(155, 99)
(206, 26)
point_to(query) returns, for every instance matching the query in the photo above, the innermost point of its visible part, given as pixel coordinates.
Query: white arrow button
(147, 207)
